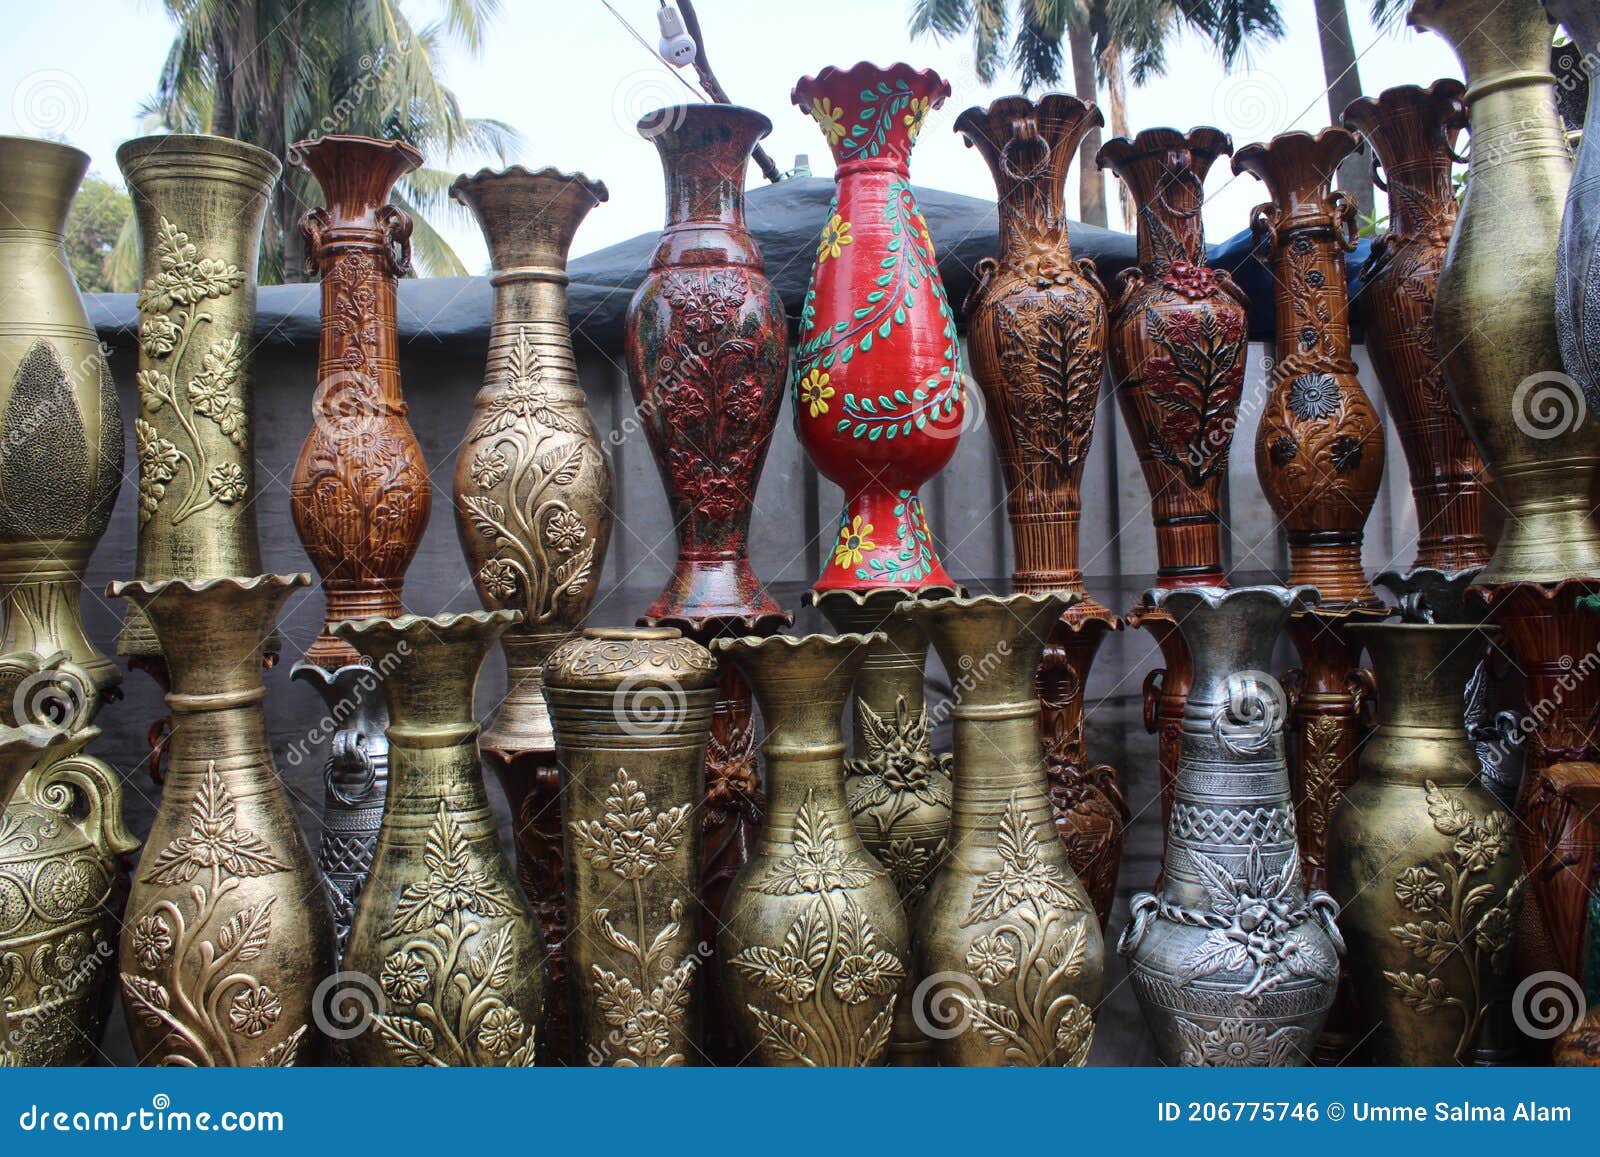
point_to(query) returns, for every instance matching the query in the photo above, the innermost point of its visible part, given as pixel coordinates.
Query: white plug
(677, 46)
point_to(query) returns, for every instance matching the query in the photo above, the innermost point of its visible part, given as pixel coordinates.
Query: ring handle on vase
(1154, 681)
(1346, 220)
(396, 225)
(1024, 131)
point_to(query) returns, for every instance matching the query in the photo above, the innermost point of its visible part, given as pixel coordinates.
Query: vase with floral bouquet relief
(878, 383)
(533, 497)
(1234, 962)
(1178, 342)
(59, 422)
(814, 953)
(200, 202)
(441, 923)
(1007, 939)
(62, 842)
(707, 350)
(228, 931)
(632, 713)
(897, 786)
(1038, 332)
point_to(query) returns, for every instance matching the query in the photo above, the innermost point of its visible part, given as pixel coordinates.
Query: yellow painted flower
(815, 391)
(835, 236)
(927, 238)
(830, 117)
(916, 113)
(853, 539)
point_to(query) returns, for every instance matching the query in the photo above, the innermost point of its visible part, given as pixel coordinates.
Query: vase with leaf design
(1422, 860)
(1494, 320)
(60, 428)
(879, 390)
(228, 932)
(1413, 133)
(360, 490)
(1038, 330)
(897, 786)
(62, 840)
(1234, 962)
(813, 949)
(441, 924)
(706, 349)
(1578, 259)
(632, 713)
(200, 202)
(1007, 929)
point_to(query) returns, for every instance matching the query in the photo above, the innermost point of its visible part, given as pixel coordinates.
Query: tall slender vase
(1422, 859)
(360, 490)
(60, 429)
(1006, 928)
(1038, 335)
(1493, 319)
(897, 786)
(533, 495)
(814, 950)
(200, 202)
(1577, 265)
(441, 923)
(878, 385)
(61, 843)
(1413, 132)
(1233, 963)
(227, 933)
(632, 712)
(1178, 343)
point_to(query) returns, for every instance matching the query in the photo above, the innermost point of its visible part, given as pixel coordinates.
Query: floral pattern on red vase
(706, 351)
(879, 390)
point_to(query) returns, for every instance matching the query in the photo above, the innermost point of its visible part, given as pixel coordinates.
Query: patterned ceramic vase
(632, 711)
(1413, 132)
(200, 202)
(61, 843)
(227, 932)
(60, 429)
(441, 923)
(1578, 266)
(1233, 963)
(814, 947)
(1007, 942)
(360, 490)
(878, 384)
(1422, 859)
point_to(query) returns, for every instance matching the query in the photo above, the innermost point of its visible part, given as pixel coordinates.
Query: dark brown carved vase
(1413, 132)
(1037, 329)
(1178, 341)
(360, 490)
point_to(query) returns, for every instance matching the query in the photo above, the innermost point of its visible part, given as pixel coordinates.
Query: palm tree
(273, 72)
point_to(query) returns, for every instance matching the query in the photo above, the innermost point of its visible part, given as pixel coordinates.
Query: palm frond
(990, 19)
(429, 251)
(942, 19)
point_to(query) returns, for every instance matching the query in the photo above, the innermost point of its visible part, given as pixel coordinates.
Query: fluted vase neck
(1421, 669)
(356, 176)
(1228, 630)
(38, 180)
(1298, 170)
(1165, 171)
(1500, 43)
(991, 647)
(529, 218)
(705, 154)
(871, 115)
(1413, 133)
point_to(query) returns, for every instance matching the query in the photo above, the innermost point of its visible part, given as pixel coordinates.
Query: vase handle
(1025, 131)
(1154, 680)
(313, 223)
(1346, 221)
(62, 785)
(396, 225)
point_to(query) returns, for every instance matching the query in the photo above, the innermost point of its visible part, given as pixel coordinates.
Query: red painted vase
(879, 390)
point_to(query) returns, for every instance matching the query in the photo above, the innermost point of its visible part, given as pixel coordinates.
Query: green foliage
(100, 213)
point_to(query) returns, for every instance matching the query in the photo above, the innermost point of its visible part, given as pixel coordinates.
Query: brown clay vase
(360, 489)
(1037, 328)
(1178, 342)
(1413, 132)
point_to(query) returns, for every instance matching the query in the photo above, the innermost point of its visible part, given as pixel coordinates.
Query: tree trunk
(224, 113)
(1344, 85)
(1091, 181)
(1117, 86)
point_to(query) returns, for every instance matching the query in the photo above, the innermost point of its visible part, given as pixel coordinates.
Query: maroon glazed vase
(707, 352)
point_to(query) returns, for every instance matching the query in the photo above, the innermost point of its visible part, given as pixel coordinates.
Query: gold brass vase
(228, 932)
(632, 714)
(1422, 859)
(1007, 930)
(441, 923)
(61, 842)
(1494, 316)
(200, 201)
(60, 429)
(813, 948)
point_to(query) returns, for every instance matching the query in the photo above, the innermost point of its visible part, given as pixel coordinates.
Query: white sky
(571, 80)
